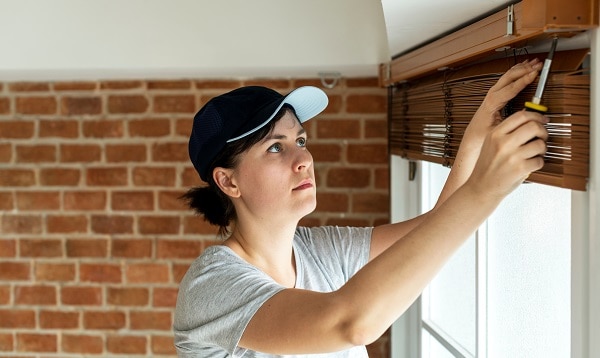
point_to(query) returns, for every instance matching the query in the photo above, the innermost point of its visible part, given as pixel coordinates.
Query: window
(506, 292)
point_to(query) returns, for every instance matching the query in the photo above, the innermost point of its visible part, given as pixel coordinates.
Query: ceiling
(74, 39)
(412, 22)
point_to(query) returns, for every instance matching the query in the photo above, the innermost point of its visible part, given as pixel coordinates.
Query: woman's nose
(304, 160)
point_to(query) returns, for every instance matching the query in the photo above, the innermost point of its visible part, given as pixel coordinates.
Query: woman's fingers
(511, 83)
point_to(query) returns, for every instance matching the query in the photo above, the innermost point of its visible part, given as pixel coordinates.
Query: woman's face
(275, 177)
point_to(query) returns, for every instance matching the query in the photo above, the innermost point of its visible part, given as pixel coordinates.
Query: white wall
(61, 39)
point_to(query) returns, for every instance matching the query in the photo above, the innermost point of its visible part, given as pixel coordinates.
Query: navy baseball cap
(236, 114)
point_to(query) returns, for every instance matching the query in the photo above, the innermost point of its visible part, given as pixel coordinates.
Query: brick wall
(93, 240)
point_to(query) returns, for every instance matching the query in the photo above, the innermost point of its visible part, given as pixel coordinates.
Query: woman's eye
(275, 148)
(301, 142)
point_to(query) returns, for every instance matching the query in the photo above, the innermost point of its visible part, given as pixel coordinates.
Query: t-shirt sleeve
(216, 301)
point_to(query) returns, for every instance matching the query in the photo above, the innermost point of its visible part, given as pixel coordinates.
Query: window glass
(449, 302)
(431, 348)
(528, 281)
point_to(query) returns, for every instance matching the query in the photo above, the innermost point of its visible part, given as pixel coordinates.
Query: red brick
(59, 176)
(174, 104)
(38, 200)
(6, 342)
(364, 82)
(6, 152)
(17, 318)
(336, 103)
(127, 296)
(150, 176)
(103, 129)
(136, 248)
(370, 203)
(6, 201)
(84, 200)
(164, 297)
(348, 178)
(113, 176)
(121, 84)
(220, 84)
(126, 344)
(170, 200)
(84, 153)
(325, 152)
(368, 153)
(102, 224)
(59, 128)
(127, 104)
(143, 320)
(103, 320)
(132, 200)
(376, 128)
(35, 342)
(35, 295)
(5, 295)
(147, 273)
(183, 127)
(75, 86)
(121, 153)
(66, 224)
(19, 129)
(74, 106)
(100, 273)
(366, 103)
(155, 127)
(40, 248)
(42, 153)
(338, 128)
(80, 343)
(179, 271)
(190, 178)
(87, 247)
(163, 345)
(36, 105)
(16, 177)
(169, 85)
(382, 178)
(170, 152)
(277, 84)
(197, 225)
(59, 319)
(159, 224)
(21, 224)
(54, 271)
(332, 202)
(29, 87)
(8, 248)
(4, 105)
(178, 248)
(346, 221)
(81, 295)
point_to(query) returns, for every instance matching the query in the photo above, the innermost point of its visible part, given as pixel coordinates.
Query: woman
(279, 289)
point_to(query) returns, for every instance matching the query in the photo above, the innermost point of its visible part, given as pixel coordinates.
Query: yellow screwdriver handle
(533, 107)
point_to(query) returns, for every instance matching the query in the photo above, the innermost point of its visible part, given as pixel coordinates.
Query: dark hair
(209, 201)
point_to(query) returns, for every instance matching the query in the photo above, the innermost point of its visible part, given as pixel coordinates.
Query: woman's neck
(268, 247)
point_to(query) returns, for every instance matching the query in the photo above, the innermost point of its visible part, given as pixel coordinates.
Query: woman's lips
(306, 184)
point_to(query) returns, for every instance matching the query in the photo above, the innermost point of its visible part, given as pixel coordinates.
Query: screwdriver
(534, 105)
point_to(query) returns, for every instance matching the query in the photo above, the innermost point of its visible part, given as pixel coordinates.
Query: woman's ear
(222, 177)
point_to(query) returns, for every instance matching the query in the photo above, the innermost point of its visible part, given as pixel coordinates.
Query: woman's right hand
(510, 153)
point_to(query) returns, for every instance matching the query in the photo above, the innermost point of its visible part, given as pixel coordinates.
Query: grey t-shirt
(221, 292)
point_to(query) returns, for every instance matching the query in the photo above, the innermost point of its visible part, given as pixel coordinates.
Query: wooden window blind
(428, 116)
